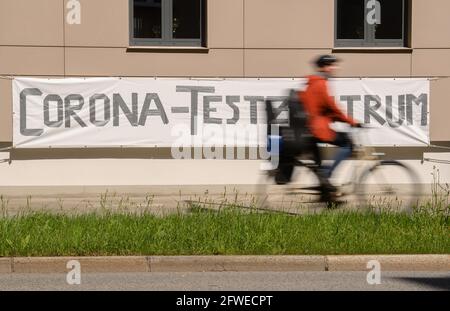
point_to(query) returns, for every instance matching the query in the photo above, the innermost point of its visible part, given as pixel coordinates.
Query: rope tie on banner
(9, 161)
(436, 161)
(439, 147)
(9, 77)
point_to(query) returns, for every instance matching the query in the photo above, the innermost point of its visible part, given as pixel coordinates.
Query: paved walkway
(158, 199)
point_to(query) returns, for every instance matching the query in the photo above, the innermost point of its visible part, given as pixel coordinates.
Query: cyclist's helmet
(326, 60)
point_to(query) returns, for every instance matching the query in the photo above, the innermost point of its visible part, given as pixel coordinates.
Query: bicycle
(372, 181)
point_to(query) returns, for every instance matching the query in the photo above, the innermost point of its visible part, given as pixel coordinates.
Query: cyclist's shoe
(331, 200)
(280, 179)
(330, 195)
(334, 204)
(326, 186)
(331, 189)
(326, 197)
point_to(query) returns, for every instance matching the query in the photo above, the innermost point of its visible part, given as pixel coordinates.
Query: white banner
(146, 112)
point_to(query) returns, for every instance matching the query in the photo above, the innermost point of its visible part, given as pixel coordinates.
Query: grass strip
(227, 232)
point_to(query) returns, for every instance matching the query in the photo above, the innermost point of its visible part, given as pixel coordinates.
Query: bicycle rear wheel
(389, 185)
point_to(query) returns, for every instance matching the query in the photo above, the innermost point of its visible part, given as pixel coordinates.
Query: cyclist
(322, 112)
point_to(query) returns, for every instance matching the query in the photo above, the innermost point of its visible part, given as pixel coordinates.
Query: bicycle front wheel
(389, 185)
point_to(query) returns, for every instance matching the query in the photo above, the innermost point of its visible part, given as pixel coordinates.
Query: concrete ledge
(236, 263)
(185, 263)
(88, 264)
(390, 262)
(5, 265)
(225, 263)
(275, 263)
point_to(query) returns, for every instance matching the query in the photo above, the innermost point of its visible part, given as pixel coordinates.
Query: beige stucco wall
(271, 38)
(31, 23)
(119, 62)
(431, 25)
(246, 38)
(5, 110)
(104, 23)
(440, 113)
(286, 24)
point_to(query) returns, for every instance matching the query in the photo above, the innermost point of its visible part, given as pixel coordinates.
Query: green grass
(228, 232)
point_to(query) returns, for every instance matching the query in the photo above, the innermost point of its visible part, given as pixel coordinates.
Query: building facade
(211, 38)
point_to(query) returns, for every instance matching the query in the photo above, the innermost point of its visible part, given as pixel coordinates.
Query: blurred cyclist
(323, 111)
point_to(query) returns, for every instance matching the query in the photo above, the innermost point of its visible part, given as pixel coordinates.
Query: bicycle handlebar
(367, 126)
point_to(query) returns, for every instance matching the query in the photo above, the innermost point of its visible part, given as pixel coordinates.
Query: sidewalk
(153, 199)
(159, 199)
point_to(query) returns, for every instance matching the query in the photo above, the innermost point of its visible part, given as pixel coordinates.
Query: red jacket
(322, 109)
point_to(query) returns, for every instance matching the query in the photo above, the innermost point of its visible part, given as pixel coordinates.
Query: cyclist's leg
(345, 144)
(315, 151)
(343, 141)
(321, 172)
(285, 169)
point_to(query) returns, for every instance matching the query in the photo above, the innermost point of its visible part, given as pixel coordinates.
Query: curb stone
(236, 263)
(5, 265)
(138, 264)
(391, 262)
(88, 264)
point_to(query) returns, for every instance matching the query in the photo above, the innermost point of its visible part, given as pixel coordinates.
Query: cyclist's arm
(336, 113)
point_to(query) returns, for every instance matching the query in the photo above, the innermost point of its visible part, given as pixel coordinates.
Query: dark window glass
(186, 19)
(391, 26)
(350, 19)
(147, 19)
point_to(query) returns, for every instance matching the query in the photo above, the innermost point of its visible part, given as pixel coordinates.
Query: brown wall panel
(440, 110)
(31, 22)
(31, 60)
(119, 62)
(430, 24)
(431, 62)
(279, 63)
(5, 110)
(288, 63)
(289, 24)
(375, 64)
(225, 24)
(104, 23)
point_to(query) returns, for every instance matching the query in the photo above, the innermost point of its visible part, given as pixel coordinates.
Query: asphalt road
(229, 281)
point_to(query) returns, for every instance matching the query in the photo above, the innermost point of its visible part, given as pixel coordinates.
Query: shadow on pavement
(439, 283)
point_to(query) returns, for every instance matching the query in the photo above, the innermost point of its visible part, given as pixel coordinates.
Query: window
(167, 22)
(371, 23)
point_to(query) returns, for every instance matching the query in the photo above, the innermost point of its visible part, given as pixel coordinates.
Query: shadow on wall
(404, 153)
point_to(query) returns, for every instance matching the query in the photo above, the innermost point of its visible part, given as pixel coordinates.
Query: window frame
(369, 32)
(167, 28)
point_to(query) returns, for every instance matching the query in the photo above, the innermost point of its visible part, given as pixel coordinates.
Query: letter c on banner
(23, 112)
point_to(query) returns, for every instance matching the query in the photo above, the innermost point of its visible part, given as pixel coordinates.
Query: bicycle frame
(367, 164)
(362, 154)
